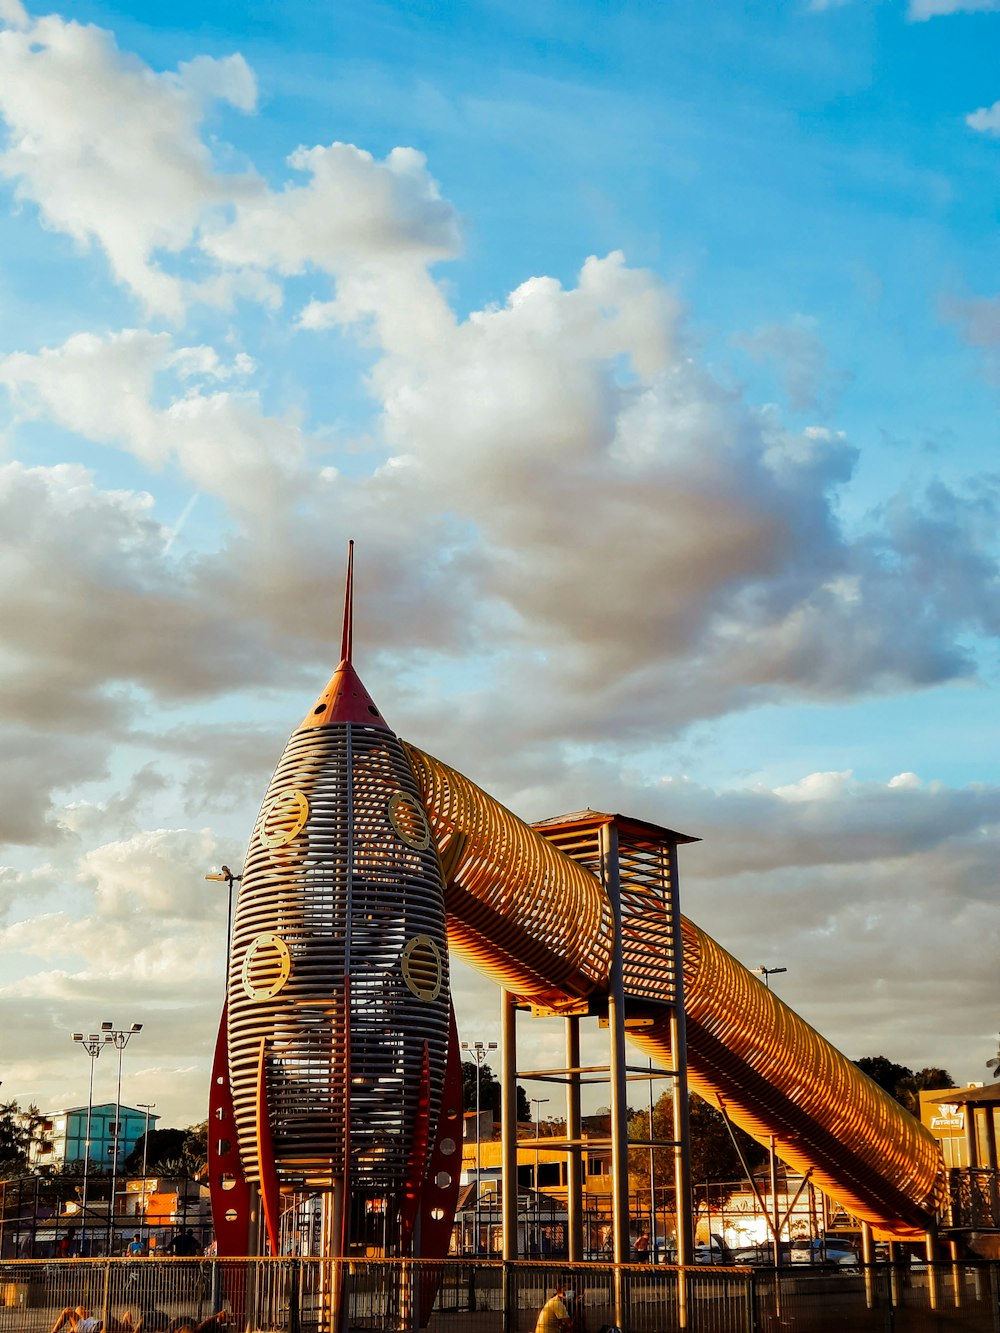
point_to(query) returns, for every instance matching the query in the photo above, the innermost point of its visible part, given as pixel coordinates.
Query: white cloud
(13, 13)
(354, 211)
(986, 119)
(816, 787)
(103, 389)
(921, 10)
(110, 151)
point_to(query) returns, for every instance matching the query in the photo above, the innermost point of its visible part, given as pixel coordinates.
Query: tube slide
(540, 925)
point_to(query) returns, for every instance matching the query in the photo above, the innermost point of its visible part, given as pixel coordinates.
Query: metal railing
(974, 1198)
(299, 1296)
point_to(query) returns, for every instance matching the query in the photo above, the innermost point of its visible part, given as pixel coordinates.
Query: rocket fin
(227, 1183)
(439, 1197)
(269, 1191)
(228, 1187)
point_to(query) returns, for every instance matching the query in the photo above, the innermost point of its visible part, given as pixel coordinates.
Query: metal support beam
(508, 1111)
(617, 1061)
(574, 1159)
(683, 1191)
(868, 1262)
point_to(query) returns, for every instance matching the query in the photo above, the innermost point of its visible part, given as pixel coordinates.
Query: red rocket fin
(227, 1180)
(439, 1197)
(269, 1192)
(417, 1165)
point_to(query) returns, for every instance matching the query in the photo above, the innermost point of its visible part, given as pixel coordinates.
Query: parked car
(712, 1253)
(830, 1253)
(759, 1256)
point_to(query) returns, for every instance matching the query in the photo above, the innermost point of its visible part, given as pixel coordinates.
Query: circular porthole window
(283, 818)
(267, 965)
(422, 969)
(406, 815)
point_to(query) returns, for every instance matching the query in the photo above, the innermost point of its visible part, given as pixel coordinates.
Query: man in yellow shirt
(553, 1316)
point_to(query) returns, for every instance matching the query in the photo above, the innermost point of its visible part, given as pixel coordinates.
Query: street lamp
(119, 1038)
(226, 876)
(536, 1103)
(775, 1222)
(478, 1049)
(93, 1046)
(147, 1107)
(766, 972)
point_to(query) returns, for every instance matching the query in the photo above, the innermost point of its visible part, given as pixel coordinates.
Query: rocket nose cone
(345, 699)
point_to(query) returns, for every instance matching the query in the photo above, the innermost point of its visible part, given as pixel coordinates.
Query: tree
(523, 1105)
(714, 1159)
(490, 1092)
(171, 1152)
(902, 1083)
(886, 1073)
(15, 1139)
(908, 1090)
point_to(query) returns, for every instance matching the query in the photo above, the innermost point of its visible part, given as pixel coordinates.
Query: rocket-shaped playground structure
(338, 1037)
(337, 1069)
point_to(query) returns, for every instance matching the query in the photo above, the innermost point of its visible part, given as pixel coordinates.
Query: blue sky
(651, 354)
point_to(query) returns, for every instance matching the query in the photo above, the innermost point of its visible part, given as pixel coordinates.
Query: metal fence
(298, 1296)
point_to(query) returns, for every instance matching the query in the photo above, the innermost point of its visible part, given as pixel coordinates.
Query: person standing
(640, 1249)
(553, 1316)
(185, 1245)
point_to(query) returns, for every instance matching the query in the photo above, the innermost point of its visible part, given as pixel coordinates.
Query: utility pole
(478, 1050)
(93, 1046)
(147, 1107)
(119, 1038)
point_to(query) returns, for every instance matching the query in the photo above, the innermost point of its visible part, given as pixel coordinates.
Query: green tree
(171, 1152)
(883, 1071)
(902, 1083)
(908, 1090)
(490, 1092)
(15, 1139)
(714, 1158)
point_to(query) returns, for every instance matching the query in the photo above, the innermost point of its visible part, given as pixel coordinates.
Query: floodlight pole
(93, 1046)
(536, 1103)
(119, 1038)
(147, 1107)
(766, 973)
(478, 1051)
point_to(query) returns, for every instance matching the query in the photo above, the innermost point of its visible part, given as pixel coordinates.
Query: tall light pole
(226, 876)
(652, 1177)
(766, 972)
(147, 1107)
(119, 1038)
(93, 1046)
(478, 1050)
(536, 1103)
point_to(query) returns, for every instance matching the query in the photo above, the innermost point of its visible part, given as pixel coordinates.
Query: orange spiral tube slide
(540, 925)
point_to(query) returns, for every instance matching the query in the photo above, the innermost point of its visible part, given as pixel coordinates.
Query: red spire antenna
(347, 641)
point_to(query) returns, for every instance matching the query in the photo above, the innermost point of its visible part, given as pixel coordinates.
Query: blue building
(63, 1135)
